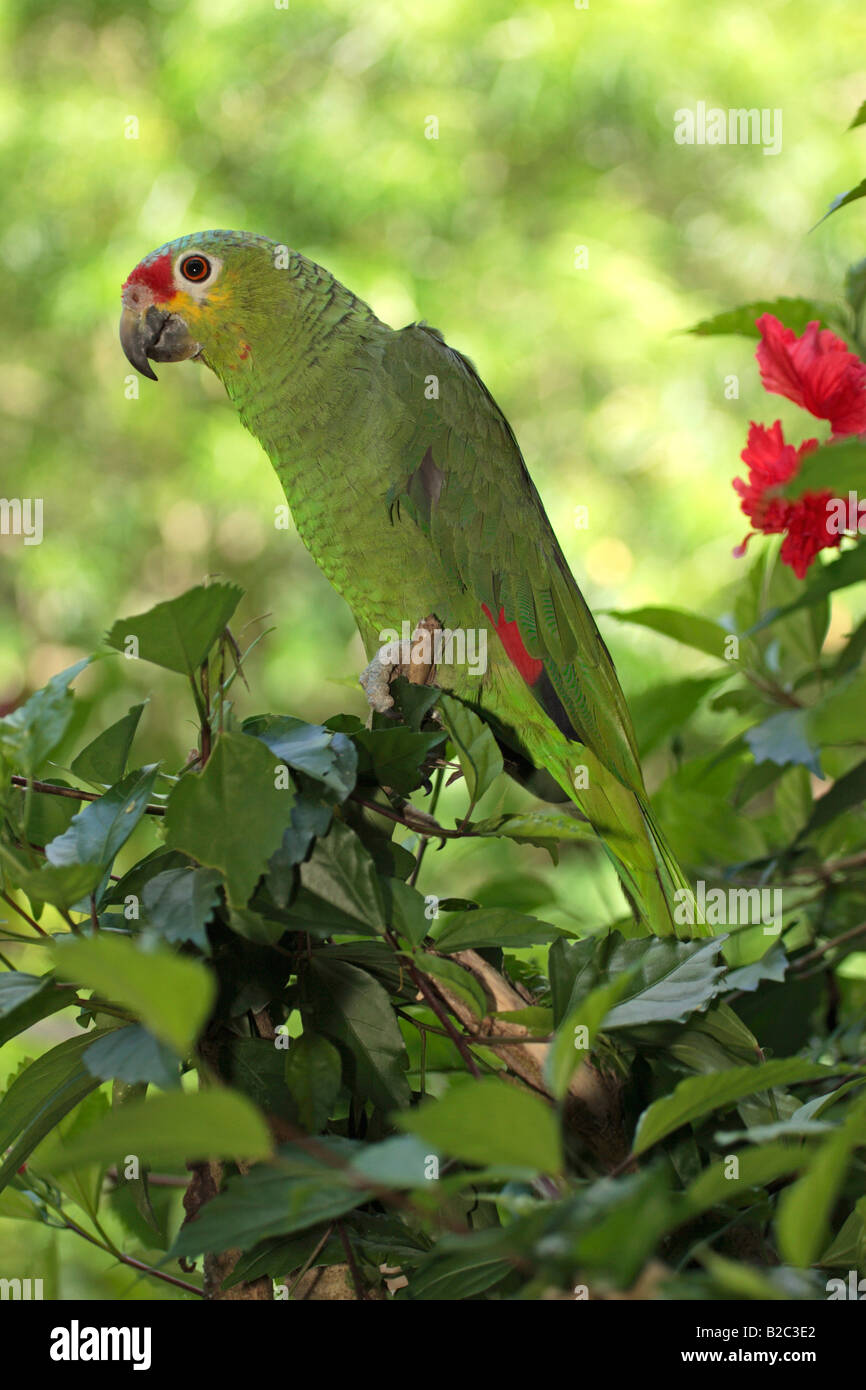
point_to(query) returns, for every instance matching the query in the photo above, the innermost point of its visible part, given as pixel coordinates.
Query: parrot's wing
(468, 489)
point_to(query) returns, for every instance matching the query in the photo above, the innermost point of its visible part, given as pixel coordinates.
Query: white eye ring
(195, 285)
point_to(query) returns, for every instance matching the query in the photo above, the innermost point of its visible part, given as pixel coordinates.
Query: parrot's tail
(660, 896)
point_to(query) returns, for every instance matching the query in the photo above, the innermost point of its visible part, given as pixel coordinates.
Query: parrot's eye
(195, 268)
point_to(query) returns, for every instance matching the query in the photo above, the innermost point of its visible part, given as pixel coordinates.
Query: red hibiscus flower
(817, 372)
(807, 532)
(771, 463)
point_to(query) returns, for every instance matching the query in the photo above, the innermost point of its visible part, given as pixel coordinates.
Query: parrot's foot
(376, 678)
(412, 659)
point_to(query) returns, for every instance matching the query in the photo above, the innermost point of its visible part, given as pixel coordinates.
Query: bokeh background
(307, 124)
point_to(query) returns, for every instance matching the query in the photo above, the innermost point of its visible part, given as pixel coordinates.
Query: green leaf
(313, 1075)
(773, 965)
(754, 1168)
(494, 926)
(698, 1096)
(268, 1202)
(490, 1122)
(713, 1041)
(837, 468)
(785, 738)
(843, 199)
(104, 760)
(545, 829)
(179, 633)
(179, 903)
(256, 1066)
(838, 717)
(805, 1208)
(341, 873)
(47, 816)
(97, 832)
(393, 757)
(328, 757)
(170, 994)
(477, 749)
(848, 1248)
(445, 1275)
(62, 886)
(85, 1185)
(406, 911)
(849, 568)
(309, 913)
(39, 1097)
(793, 313)
(665, 709)
(310, 819)
(31, 732)
(25, 999)
(350, 1007)
(236, 789)
(399, 1161)
(688, 628)
(173, 1129)
(667, 981)
(860, 118)
(460, 981)
(413, 701)
(570, 1047)
(133, 1055)
(847, 792)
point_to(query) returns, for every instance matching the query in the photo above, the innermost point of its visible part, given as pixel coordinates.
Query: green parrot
(407, 485)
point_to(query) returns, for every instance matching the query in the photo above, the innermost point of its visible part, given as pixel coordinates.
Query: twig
(350, 1261)
(73, 792)
(494, 1040)
(128, 1259)
(311, 1258)
(434, 831)
(441, 1013)
(425, 839)
(819, 951)
(21, 913)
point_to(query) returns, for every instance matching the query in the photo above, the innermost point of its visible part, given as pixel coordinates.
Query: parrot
(408, 487)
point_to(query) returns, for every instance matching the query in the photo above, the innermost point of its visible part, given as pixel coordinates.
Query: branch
(73, 792)
(70, 1225)
(592, 1104)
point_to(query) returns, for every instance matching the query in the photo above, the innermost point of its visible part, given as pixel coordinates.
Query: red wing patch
(156, 276)
(530, 667)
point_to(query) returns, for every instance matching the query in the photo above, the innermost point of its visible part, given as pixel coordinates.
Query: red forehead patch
(156, 276)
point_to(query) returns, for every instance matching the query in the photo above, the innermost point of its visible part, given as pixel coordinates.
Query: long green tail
(650, 875)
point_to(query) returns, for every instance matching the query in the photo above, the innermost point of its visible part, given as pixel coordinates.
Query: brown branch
(128, 1259)
(73, 792)
(592, 1104)
(26, 915)
(819, 951)
(423, 825)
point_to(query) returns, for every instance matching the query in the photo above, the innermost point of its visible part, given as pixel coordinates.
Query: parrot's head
(200, 296)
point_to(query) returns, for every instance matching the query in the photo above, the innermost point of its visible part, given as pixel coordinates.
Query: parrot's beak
(156, 334)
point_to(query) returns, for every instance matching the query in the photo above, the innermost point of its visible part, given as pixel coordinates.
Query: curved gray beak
(155, 334)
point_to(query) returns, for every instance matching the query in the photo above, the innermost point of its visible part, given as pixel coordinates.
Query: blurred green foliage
(307, 124)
